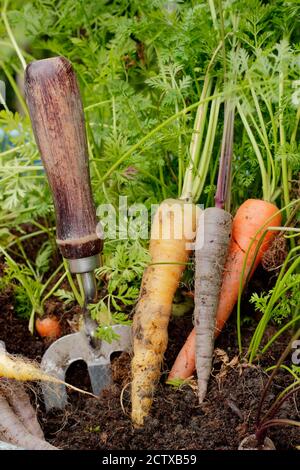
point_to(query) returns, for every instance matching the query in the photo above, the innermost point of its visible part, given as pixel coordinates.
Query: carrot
(14, 432)
(185, 363)
(212, 242)
(17, 368)
(250, 217)
(169, 255)
(210, 260)
(48, 327)
(19, 401)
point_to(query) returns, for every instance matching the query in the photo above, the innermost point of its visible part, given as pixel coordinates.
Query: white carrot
(210, 259)
(14, 367)
(212, 243)
(14, 432)
(18, 399)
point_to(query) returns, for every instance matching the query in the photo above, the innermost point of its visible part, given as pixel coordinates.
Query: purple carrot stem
(224, 175)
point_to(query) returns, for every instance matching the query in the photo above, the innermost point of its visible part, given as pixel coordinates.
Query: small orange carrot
(250, 217)
(48, 327)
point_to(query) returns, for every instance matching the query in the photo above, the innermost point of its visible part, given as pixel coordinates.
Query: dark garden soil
(177, 421)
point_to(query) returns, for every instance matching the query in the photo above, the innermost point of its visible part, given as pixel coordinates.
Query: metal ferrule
(85, 267)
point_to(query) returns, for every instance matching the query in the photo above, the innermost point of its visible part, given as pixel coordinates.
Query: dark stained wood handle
(56, 112)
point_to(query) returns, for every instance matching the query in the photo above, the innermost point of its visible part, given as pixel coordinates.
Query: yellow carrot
(14, 367)
(173, 230)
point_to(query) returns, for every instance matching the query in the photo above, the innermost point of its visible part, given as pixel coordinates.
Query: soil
(177, 421)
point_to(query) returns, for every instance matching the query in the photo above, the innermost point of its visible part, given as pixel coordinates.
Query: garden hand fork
(57, 118)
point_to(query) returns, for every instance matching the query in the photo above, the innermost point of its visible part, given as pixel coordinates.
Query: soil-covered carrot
(210, 260)
(17, 368)
(18, 399)
(12, 430)
(212, 242)
(169, 251)
(249, 219)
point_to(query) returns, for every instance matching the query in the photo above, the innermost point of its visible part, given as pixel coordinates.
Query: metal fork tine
(75, 347)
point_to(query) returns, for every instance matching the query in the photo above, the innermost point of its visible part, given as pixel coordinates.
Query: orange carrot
(48, 327)
(185, 363)
(250, 217)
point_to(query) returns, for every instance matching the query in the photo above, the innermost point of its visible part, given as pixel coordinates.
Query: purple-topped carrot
(212, 242)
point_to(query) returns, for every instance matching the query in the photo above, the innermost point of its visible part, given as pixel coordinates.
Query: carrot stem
(284, 168)
(264, 176)
(11, 36)
(279, 402)
(223, 184)
(197, 136)
(203, 167)
(196, 141)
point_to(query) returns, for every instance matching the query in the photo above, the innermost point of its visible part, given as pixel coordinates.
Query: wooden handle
(56, 112)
